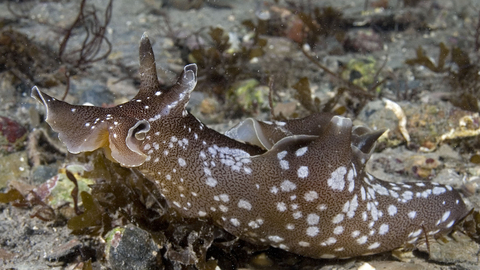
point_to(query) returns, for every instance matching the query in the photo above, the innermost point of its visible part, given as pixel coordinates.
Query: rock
(396, 265)
(132, 248)
(42, 173)
(456, 248)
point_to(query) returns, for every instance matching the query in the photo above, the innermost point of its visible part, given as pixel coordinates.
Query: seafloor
(408, 66)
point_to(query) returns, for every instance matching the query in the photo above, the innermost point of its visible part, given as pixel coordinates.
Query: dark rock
(132, 248)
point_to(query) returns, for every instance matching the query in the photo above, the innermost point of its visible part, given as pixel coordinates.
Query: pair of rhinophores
(298, 185)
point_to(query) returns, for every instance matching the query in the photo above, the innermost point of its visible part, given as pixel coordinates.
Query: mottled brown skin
(298, 185)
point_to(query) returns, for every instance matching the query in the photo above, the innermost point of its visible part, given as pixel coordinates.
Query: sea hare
(298, 185)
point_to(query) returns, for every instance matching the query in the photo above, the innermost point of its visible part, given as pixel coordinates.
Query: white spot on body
(281, 155)
(330, 241)
(346, 206)
(393, 194)
(235, 222)
(415, 233)
(301, 151)
(374, 211)
(321, 207)
(284, 165)
(302, 172)
(351, 182)
(287, 186)
(211, 181)
(362, 240)
(392, 210)
(311, 196)
(303, 244)
(275, 238)
(374, 245)
(352, 207)
(362, 191)
(383, 229)
(412, 214)
(450, 224)
(313, 219)
(445, 216)
(407, 195)
(281, 207)
(338, 230)
(312, 231)
(224, 197)
(338, 218)
(147, 147)
(182, 162)
(438, 190)
(244, 204)
(380, 189)
(336, 180)
(253, 224)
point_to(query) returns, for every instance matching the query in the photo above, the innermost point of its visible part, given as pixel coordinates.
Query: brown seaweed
(463, 75)
(94, 37)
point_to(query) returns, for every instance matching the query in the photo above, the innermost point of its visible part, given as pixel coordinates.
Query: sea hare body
(298, 185)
